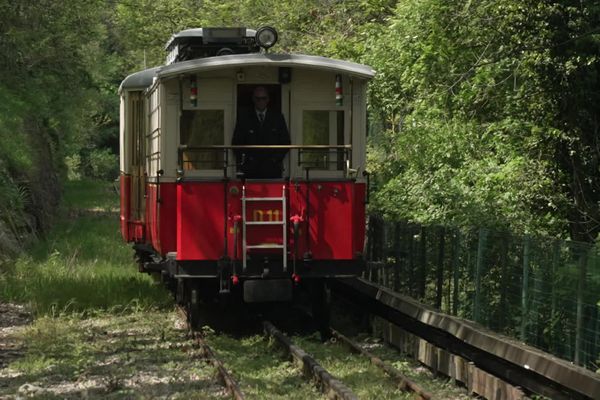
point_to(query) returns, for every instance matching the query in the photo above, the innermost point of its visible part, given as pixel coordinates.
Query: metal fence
(543, 292)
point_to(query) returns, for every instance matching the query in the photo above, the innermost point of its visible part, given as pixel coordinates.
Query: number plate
(263, 290)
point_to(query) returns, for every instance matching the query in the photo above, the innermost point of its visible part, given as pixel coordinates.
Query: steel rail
(229, 382)
(330, 386)
(404, 383)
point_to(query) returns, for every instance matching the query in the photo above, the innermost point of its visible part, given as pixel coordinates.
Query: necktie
(261, 117)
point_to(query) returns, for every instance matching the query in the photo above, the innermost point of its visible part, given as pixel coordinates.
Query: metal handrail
(302, 149)
(268, 146)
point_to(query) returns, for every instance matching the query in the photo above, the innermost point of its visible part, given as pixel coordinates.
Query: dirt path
(13, 318)
(130, 355)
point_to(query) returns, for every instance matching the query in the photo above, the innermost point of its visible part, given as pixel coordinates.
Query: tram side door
(138, 165)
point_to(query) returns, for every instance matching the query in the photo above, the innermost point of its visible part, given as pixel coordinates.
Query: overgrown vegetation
(264, 370)
(490, 114)
(102, 329)
(260, 367)
(82, 265)
(369, 381)
(52, 73)
(116, 355)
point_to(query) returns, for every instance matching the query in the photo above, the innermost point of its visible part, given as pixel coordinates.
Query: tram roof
(276, 60)
(143, 79)
(139, 80)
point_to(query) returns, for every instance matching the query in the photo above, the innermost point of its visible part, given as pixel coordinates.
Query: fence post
(505, 279)
(423, 259)
(377, 249)
(553, 312)
(525, 288)
(478, 272)
(411, 261)
(455, 270)
(440, 269)
(397, 253)
(537, 294)
(384, 255)
(579, 334)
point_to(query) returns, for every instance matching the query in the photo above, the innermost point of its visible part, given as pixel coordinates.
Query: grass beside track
(101, 329)
(82, 265)
(355, 371)
(367, 380)
(261, 368)
(133, 354)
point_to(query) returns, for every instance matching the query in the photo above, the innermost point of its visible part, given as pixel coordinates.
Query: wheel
(321, 308)
(180, 292)
(194, 309)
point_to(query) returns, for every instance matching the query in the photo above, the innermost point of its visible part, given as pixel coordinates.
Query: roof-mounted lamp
(266, 37)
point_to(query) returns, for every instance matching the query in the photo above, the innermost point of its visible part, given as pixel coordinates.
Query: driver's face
(260, 98)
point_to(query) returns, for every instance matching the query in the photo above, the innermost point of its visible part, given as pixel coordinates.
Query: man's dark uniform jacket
(260, 164)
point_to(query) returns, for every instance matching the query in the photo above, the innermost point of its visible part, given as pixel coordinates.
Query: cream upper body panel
(308, 98)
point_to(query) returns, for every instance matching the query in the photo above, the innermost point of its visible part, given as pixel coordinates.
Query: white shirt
(259, 113)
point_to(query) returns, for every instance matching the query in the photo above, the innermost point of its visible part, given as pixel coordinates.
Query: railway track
(480, 360)
(330, 386)
(304, 364)
(404, 383)
(335, 388)
(224, 376)
(439, 343)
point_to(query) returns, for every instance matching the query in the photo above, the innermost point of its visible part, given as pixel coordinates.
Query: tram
(194, 217)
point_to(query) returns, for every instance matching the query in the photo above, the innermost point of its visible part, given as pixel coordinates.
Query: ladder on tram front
(246, 223)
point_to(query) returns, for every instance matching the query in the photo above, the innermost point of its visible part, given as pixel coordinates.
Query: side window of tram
(200, 128)
(323, 127)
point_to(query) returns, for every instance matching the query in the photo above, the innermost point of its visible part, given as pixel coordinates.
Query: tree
(489, 108)
(45, 84)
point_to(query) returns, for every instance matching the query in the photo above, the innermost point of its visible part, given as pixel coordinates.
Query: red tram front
(193, 217)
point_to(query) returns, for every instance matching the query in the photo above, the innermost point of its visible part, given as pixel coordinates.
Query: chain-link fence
(544, 292)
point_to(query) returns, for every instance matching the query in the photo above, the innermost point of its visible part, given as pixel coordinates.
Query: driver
(260, 126)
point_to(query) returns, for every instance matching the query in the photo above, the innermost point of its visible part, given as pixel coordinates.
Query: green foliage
(116, 355)
(83, 264)
(472, 99)
(73, 164)
(260, 368)
(104, 164)
(14, 223)
(45, 83)
(90, 195)
(457, 173)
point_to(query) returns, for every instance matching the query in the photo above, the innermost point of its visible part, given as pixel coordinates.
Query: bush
(104, 164)
(73, 164)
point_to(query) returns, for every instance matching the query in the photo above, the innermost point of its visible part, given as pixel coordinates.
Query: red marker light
(296, 219)
(339, 92)
(235, 280)
(193, 92)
